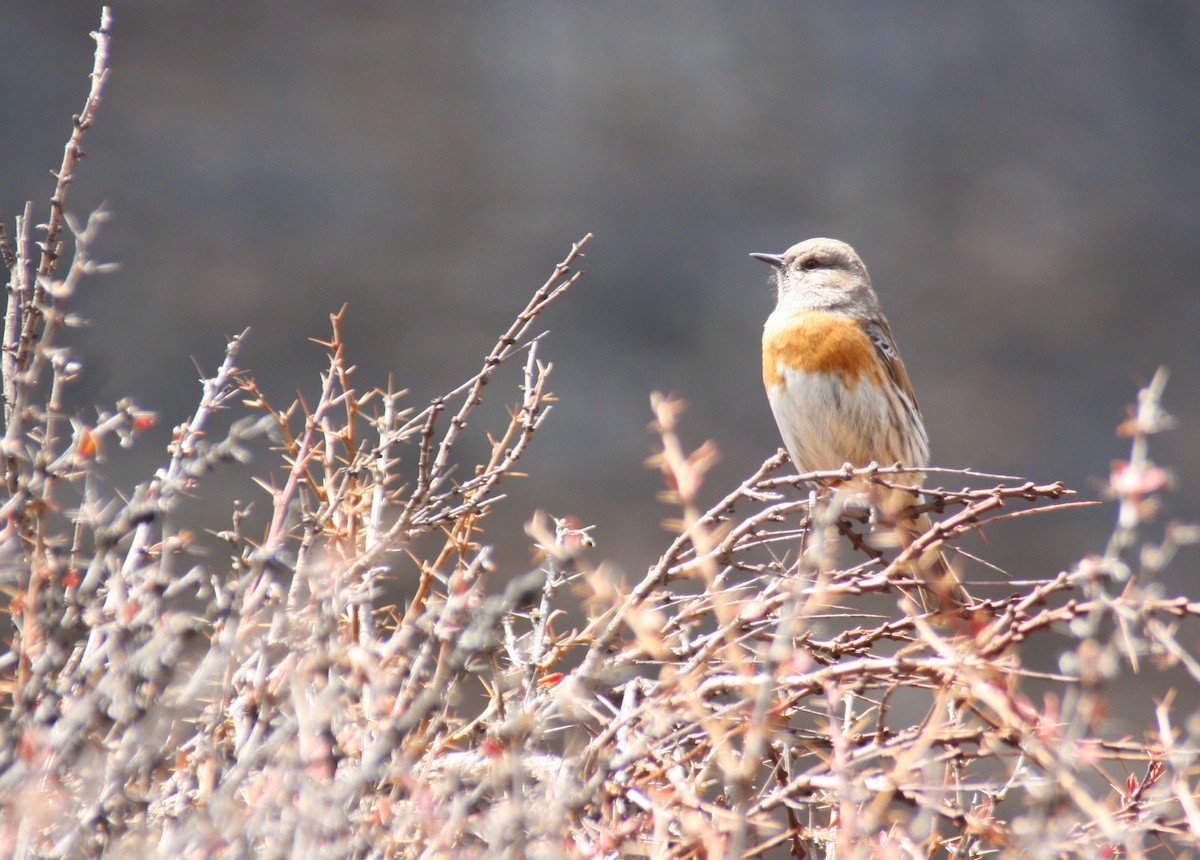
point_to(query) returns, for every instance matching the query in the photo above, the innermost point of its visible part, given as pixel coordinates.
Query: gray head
(823, 274)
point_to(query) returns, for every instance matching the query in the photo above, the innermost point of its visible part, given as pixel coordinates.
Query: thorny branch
(765, 689)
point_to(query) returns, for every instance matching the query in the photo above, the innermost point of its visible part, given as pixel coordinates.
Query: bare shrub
(768, 688)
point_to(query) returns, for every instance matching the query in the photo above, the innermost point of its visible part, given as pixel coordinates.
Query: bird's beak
(775, 260)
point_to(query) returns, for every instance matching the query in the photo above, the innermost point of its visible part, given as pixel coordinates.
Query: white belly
(825, 425)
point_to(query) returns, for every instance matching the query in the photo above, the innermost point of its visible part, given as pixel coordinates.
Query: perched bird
(838, 388)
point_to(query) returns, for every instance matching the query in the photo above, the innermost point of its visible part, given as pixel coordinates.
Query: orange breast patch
(817, 342)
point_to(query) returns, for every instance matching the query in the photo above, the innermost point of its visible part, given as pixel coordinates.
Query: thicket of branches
(767, 688)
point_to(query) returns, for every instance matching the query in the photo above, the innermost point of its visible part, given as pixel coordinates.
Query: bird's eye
(811, 263)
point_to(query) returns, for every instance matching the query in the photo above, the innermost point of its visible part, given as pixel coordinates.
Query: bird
(839, 391)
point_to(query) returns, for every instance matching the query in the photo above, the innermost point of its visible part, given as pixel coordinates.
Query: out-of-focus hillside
(1022, 180)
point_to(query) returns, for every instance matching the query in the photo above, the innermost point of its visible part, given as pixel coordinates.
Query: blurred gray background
(1022, 179)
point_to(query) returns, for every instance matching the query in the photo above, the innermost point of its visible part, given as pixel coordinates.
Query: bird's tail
(941, 589)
